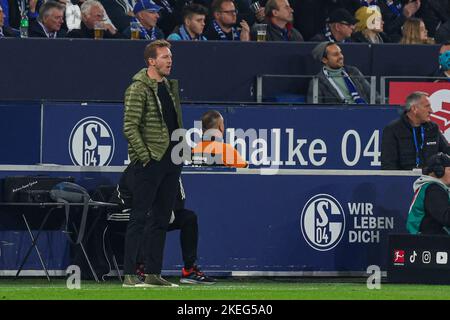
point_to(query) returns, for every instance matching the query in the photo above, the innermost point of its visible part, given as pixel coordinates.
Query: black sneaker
(195, 276)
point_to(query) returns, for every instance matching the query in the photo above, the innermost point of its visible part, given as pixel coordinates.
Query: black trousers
(186, 222)
(154, 193)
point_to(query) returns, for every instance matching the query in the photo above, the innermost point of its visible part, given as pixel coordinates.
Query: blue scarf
(236, 34)
(186, 36)
(352, 89)
(350, 86)
(329, 35)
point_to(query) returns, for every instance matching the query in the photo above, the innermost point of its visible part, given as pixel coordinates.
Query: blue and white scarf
(329, 35)
(184, 34)
(144, 32)
(235, 36)
(350, 86)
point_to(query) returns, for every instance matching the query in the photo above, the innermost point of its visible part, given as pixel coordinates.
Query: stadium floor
(224, 289)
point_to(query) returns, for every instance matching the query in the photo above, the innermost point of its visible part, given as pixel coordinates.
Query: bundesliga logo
(399, 257)
(91, 143)
(322, 222)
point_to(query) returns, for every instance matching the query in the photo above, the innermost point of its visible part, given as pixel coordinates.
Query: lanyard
(422, 134)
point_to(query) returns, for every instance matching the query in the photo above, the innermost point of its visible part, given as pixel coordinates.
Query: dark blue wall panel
(69, 69)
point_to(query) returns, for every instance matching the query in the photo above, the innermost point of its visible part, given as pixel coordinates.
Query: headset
(436, 165)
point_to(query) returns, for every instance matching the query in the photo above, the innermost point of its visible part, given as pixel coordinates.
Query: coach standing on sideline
(152, 113)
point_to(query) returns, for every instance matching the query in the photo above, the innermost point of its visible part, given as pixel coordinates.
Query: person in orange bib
(212, 151)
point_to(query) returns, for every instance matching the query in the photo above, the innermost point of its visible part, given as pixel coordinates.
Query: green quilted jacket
(144, 126)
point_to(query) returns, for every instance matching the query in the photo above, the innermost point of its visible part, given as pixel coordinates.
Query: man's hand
(411, 8)
(260, 14)
(110, 28)
(245, 32)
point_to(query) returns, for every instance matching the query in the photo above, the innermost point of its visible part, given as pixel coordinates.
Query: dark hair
(47, 6)
(436, 164)
(329, 44)
(150, 49)
(216, 5)
(192, 9)
(209, 119)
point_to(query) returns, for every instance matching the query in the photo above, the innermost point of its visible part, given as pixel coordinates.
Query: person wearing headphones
(429, 212)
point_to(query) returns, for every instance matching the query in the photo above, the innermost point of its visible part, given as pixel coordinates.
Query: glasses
(347, 24)
(230, 11)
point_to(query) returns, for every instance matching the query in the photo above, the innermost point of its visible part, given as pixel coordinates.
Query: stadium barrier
(86, 70)
(269, 136)
(262, 223)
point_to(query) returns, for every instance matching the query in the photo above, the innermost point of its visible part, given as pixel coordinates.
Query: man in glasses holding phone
(224, 23)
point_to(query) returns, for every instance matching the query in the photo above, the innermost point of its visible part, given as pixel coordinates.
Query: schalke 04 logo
(91, 142)
(322, 222)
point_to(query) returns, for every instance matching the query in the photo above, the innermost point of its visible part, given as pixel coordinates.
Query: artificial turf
(224, 289)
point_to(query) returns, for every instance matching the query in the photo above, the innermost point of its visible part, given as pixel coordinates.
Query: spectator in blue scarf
(194, 16)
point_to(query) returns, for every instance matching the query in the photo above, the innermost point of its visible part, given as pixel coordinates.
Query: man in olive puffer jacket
(152, 114)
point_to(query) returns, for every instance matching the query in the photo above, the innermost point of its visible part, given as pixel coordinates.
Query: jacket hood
(427, 179)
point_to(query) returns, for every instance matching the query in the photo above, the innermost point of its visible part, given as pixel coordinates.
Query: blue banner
(294, 222)
(267, 136)
(289, 222)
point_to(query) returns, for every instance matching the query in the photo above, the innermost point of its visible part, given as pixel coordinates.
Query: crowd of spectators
(372, 21)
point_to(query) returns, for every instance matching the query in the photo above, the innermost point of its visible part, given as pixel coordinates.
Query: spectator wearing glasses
(339, 28)
(223, 25)
(194, 16)
(48, 25)
(279, 16)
